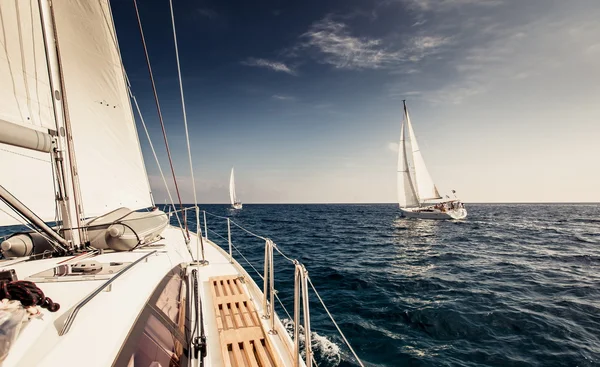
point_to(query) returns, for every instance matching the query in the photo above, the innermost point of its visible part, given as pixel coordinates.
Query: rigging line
(187, 136)
(239, 252)
(335, 323)
(282, 254)
(160, 117)
(162, 175)
(214, 215)
(237, 225)
(25, 155)
(247, 231)
(253, 234)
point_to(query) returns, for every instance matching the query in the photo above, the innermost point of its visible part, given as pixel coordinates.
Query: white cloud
(393, 146)
(344, 51)
(338, 47)
(443, 5)
(273, 65)
(282, 97)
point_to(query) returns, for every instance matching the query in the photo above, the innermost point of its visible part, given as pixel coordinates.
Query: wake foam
(326, 353)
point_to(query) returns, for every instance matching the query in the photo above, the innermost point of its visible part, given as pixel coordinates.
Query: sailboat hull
(433, 213)
(237, 206)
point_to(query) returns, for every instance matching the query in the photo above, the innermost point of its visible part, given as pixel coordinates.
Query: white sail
(425, 188)
(109, 159)
(232, 197)
(25, 99)
(407, 196)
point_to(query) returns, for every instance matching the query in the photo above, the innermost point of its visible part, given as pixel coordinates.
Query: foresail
(25, 99)
(426, 189)
(406, 192)
(232, 188)
(109, 159)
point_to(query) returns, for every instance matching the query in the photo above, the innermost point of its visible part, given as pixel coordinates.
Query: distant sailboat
(235, 203)
(417, 194)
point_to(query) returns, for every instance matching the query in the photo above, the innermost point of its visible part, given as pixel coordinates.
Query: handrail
(79, 306)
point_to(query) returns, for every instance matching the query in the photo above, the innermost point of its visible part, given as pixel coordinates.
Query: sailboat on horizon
(235, 203)
(418, 196)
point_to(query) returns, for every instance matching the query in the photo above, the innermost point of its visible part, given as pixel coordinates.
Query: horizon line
(393, 203)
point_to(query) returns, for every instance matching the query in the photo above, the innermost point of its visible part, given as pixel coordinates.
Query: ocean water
(513, 285)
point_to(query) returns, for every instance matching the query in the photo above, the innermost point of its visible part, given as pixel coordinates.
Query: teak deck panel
(243, 340)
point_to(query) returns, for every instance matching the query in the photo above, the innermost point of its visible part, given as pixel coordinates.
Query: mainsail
(407, 196)
(232, 197)
(415, 185)
(109, 163)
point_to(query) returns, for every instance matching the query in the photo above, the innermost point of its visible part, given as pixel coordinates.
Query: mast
(68, 196)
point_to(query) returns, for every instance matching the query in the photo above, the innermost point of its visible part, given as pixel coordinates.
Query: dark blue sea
(512, 285)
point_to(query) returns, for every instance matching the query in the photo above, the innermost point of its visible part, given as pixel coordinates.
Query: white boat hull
(433, 213)
(237, 206)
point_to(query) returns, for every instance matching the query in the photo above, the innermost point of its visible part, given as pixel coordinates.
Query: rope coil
(27, 293)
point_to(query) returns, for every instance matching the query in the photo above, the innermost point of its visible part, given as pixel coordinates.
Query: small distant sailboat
(417, 194)
(235, 203)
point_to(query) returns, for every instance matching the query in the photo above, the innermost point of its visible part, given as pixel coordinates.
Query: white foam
(326, 352)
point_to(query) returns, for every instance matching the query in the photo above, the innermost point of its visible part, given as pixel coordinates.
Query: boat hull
(237, 206)
(434, 214)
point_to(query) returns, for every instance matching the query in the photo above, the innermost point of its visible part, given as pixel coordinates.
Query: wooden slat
(249, 349)
(228, 357)
(230, 287)
(239, 324)
(238, 355)
(238, 286)
(253, 312)
(228, 322)
(246, 314)
(237, 316)
(219, 318)
(262, 354)
(243, 334)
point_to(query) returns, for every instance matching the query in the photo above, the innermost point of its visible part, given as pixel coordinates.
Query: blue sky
(304, 97)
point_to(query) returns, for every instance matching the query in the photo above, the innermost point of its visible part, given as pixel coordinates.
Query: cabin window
(159, 337)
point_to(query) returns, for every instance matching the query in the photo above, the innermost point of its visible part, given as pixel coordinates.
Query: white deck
(101, 327)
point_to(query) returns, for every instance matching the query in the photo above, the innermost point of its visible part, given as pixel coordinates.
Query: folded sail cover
(109, 160)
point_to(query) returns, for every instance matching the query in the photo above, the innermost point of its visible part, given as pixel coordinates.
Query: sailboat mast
(68, 196)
